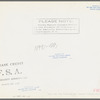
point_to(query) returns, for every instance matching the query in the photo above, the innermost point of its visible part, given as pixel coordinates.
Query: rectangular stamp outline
(58, 33)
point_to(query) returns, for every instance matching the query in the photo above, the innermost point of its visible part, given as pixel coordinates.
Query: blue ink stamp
(29, 88)
(59, 56)
(94, 7)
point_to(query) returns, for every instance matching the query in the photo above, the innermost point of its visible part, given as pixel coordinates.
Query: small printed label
(56, 25)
